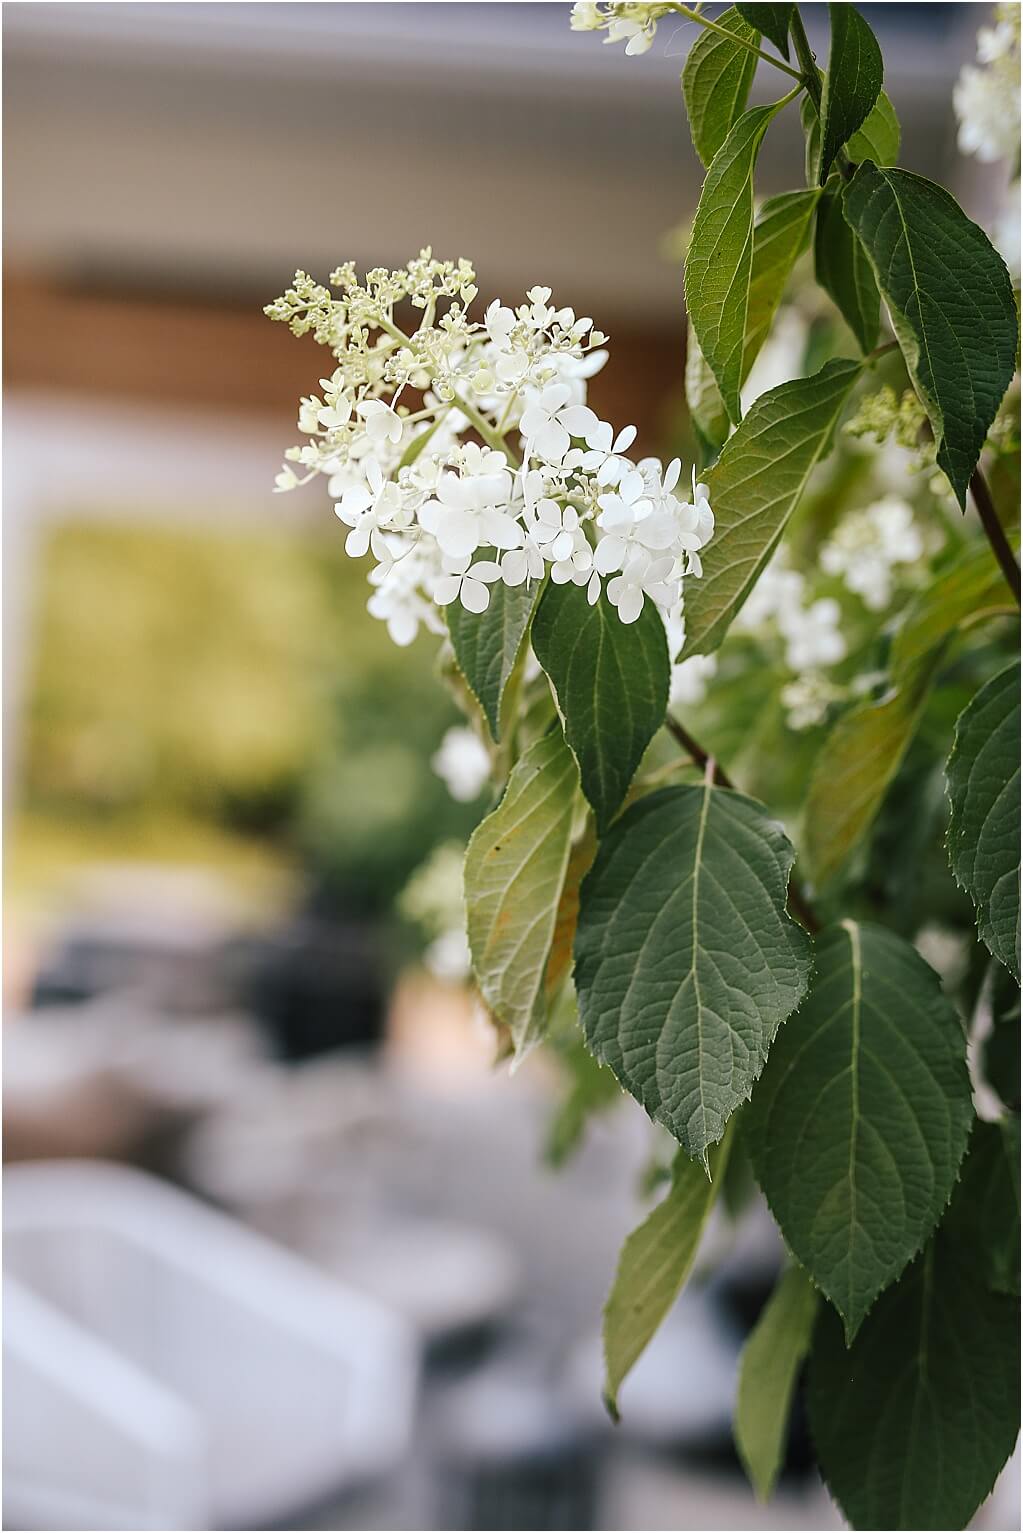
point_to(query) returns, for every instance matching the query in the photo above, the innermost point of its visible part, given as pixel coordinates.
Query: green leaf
(686, 961)
(852, 83)
(970, 589)
(845, 273)
(855, 766)
(768, 1369)
(951, 305)
(913, 1423)
(487, 644)
(780, 236)
(880, 136)
(611, 682)
(984, 829)
(653, 1266)
(984, 1215)
(720, 259)
(709, 416)
(754, 488)
(1001, 1048)
(515, 868)
(877, 140)
(716, 79)
(772, 21)
(860, 1122)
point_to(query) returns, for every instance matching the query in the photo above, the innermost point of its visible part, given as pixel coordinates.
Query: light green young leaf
(716, 79)
(852, 83)
(754, 488)
(877, 140)
(654, 1264)
(880, 137)
(720, 259)
(985, 1213)
(845, 273)
(686, 960)
(914, 1421)
(984, 830)
(772, 21)
(768, 1369)
(780, 236)
(857, 762)
(611, 683)
(860, 1122)
(951, 305)
(487, 644)
(970, 589)
(515, 868)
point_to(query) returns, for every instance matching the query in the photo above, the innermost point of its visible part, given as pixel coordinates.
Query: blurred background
(283, 1247)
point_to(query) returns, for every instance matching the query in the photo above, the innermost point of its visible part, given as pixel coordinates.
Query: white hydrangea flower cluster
(868, 545)
(463, 764)
(987, 99)
(433, 900)
(810, 635)
(624, 22)
(462, 453)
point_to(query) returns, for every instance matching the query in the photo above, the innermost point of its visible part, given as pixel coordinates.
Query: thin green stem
(712, 26)
(480, 423)
(995, 532)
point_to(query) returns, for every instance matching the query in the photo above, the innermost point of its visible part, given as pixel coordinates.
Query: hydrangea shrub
(625, 902)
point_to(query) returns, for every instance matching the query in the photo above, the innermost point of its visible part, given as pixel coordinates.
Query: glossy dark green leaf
(754, 488)
(984, 829)
(913, 1422)
(487, 644)
(852, 83)
(772, 21)
(950, 301)
(878, 139)
(720, 260)
(984, 1214)
(860, 1122)
(610, 680)
(687, 962)
(716, 79)
(845, 273)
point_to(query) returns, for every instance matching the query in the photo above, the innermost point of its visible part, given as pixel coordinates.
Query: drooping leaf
(708, 414)
(653, 1266)
(611, 682)
(984, 829)
(515, 868)
(861, 1119)
(487, 644)
(768, 1369)
(845, 273)
(716, 79)
(950, 301)
(852, 83)
(877, 140)
(780, 236)
(754, 488)
(984, 1215)
(720, 259)
(914, 1421)
(580, 860)
(686, 960)
(772, 21)
(855, 766)
(971, 588)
